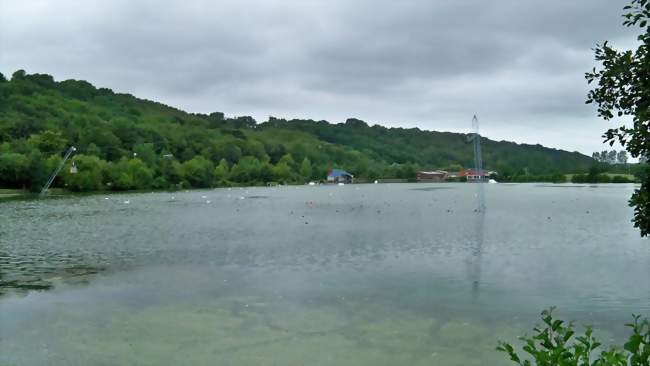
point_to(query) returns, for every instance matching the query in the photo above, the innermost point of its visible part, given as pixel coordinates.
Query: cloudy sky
(518, 64)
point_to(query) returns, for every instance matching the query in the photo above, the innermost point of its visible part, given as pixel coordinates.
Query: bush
(554, 345)
(621, 179)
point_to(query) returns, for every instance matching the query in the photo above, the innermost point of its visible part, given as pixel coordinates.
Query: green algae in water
(227, 331)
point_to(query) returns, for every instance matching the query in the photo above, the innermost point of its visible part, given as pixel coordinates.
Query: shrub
(554, 344)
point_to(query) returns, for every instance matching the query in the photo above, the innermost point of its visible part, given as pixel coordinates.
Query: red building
(474, 175)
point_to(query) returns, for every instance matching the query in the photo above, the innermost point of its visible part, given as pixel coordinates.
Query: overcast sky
(518, 64)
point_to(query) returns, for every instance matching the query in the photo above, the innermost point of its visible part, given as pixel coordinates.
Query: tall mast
(56, 171)
(478, 158)
(478, 165)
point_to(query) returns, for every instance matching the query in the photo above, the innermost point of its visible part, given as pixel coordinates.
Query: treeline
(128, 143)
(596, 175)
(438, 150)
(529, 178)
(610, 157)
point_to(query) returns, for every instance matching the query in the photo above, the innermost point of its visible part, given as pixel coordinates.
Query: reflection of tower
(477, 248)
(476, 252)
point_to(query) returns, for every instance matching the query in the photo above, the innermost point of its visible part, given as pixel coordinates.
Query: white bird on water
(127, 202)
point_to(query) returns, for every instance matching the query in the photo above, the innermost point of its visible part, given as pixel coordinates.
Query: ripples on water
(359, 274)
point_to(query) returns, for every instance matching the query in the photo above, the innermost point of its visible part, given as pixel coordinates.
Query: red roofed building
(474, 175)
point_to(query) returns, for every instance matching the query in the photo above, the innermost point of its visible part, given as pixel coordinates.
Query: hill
(125, 142)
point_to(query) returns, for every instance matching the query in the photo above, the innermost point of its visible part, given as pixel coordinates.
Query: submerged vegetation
(128, 143)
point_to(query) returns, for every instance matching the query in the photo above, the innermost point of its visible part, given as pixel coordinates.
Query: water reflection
(476, 252)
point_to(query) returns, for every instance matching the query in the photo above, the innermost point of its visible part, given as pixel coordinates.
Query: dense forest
(128, 143)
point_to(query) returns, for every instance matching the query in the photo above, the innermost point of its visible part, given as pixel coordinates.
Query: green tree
(247, 170)
(229, 151)
(90, 172)
(287, 159)
(14, 170)
(596, 156)
(38, 173)
(199, 172)
(131, 174)
(48, 142)
(172, 172)
(622, 89)
(18, 75)
(146, 153)
(93, 149)
(305, 168)
(612, 157)
(282, 173)
(221, 172)
(109, 144)
(266, 172)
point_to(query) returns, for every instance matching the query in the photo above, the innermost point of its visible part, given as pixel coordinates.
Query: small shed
(339, 176)
(431, 176)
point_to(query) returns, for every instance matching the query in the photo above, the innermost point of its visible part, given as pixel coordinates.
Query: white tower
(478, 157)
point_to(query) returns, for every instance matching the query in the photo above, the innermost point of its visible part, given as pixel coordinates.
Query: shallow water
(382, 274)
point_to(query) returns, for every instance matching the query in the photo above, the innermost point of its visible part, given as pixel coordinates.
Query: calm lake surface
(388, 274)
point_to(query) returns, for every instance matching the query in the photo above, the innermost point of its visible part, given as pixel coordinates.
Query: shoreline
(8, 194)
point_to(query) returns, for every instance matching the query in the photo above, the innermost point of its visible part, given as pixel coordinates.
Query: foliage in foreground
(554, 344)
(623, 89)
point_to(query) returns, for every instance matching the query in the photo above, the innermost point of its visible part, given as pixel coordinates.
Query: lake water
(388, 274)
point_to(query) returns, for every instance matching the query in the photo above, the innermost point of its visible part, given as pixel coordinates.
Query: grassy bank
(8, 193)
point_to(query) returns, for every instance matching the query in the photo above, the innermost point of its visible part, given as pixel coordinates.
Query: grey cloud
(431, 64)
